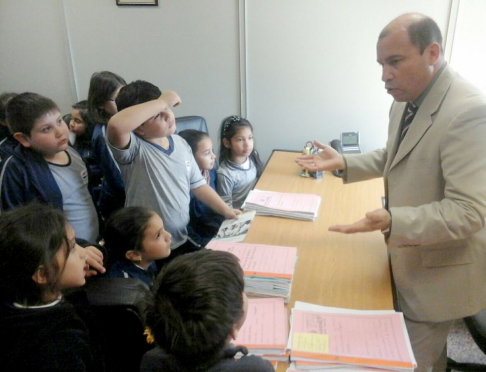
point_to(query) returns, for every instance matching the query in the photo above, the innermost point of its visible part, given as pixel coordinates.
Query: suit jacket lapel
(396, 118)
(422, 120)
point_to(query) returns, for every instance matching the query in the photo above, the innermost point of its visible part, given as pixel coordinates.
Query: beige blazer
(435, 184)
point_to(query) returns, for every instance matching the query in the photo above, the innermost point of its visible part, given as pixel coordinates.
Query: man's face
(405, 72)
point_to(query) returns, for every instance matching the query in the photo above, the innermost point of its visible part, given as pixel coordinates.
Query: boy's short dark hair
(196, 301)
(24, 109)
(135, 93)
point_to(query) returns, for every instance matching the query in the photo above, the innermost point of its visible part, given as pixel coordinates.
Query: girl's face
(241, 144)
(156, 241)
(204, 155)
(73, 267)
(110, 105)
(77, 124)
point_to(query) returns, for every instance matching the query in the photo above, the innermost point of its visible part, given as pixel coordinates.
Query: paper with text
(377, 337)
(266, 324)
(259, 259)
(290, 202)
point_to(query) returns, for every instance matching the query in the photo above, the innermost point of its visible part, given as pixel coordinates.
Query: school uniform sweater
(112, 196)
(204, 222)
(47, 339)
(25, 176)
(157, 360)
(7, 143)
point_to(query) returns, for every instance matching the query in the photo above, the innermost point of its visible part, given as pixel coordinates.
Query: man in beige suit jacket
(435, 182)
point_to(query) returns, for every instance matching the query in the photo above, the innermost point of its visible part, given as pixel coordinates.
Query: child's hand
(171, 98)
(231, 213)
(94, 260)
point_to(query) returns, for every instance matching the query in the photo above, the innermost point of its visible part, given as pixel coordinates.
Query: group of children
(160, 197)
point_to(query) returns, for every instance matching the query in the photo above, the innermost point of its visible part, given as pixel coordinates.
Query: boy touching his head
(157, 166)
(196, 308)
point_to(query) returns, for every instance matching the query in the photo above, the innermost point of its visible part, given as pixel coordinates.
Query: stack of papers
(265, 331)
(268, 269)
(288, 205)
(351, 340)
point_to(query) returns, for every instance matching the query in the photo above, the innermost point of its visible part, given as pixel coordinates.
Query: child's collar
(140, 267)
(53, 303)
(169, 151)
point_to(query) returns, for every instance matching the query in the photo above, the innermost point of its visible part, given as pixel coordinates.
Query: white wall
(312, 70)
(187, 46)
(468, 47)
(34, 53)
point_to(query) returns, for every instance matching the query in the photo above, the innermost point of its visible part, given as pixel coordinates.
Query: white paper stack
(322, 338)
(268, 269)
(287, 205)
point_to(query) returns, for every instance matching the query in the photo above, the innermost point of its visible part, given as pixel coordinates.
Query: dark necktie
(411, 110)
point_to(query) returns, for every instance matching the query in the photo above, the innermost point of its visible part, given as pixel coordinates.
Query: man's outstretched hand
(379, 219)
(326, 160)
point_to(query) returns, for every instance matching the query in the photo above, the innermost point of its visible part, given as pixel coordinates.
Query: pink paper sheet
(266, 324)
(259, 259)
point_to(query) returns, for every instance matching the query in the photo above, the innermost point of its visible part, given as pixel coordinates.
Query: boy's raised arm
(122, 123)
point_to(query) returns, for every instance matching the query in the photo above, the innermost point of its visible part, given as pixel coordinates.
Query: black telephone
(336, 145)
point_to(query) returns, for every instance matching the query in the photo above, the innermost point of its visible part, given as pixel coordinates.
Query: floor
(461, 347)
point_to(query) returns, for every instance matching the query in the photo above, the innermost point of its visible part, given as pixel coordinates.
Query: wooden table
(332, 269)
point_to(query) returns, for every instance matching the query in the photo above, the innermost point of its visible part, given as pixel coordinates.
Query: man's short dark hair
(24, 109)
(422, 32)
(196, 301)
(136, 93)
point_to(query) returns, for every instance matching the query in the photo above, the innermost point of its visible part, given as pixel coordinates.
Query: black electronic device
(350, 142)
(336, 145)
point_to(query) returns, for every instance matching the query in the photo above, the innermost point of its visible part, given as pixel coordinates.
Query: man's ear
(226, 143)
(134, 256)
(22, 138)
(433, 51)
(41, 275)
